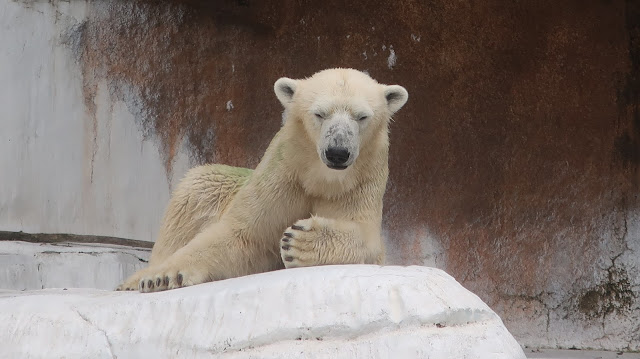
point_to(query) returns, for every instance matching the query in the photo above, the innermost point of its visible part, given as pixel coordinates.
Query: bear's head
(341, 110)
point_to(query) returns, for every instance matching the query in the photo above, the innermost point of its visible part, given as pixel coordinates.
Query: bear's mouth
(335, 167)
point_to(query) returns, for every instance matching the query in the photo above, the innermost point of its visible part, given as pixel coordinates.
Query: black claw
(150, 284)
(142, 284)
(286, 247)
(288, 259)
(179, 279)
(297, 228)
(287, 234)
(166, 280)
(158, 281)
(285, 239)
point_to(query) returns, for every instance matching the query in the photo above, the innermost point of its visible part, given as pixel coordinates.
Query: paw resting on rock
(132, 283)
(126, 287)
(300, 244)
(170, 278)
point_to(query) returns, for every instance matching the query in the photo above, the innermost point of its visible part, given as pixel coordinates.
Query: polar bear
(315, 198)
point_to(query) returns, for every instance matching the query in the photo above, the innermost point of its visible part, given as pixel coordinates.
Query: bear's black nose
(337, 156)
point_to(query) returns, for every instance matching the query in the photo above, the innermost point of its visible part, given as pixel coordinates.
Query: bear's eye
(362, 117)
(319, 116)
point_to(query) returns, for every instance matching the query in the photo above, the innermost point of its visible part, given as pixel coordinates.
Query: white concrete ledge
(29, 266)
(323, 312)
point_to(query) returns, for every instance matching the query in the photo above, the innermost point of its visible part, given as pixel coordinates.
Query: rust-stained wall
(515, 164)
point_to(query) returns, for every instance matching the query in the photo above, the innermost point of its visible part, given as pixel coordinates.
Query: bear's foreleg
(322, 241)
(211, 255)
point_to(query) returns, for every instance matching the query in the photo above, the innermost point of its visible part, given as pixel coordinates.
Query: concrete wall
(515, 166)
(72, 162)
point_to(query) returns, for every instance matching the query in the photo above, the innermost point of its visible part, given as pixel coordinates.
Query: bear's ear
(396, 97)
(284, 89)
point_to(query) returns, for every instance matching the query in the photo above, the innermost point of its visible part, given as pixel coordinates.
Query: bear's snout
(337, 157)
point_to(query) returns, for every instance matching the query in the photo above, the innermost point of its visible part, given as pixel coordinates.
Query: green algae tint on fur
(235, 171)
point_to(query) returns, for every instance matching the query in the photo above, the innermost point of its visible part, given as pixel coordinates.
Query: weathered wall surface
(71, 161)
(515, 165)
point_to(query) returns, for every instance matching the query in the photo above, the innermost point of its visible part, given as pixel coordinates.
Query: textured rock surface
(514, 166)
(578, 354)
(324, 312)
(28, 266)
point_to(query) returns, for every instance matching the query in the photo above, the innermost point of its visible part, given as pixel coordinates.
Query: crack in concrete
(106, 337)
(535, 298)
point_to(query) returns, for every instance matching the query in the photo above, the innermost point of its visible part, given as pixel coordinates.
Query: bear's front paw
(301, 244)
(171, 277)
(133, 282)
(130, 284)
